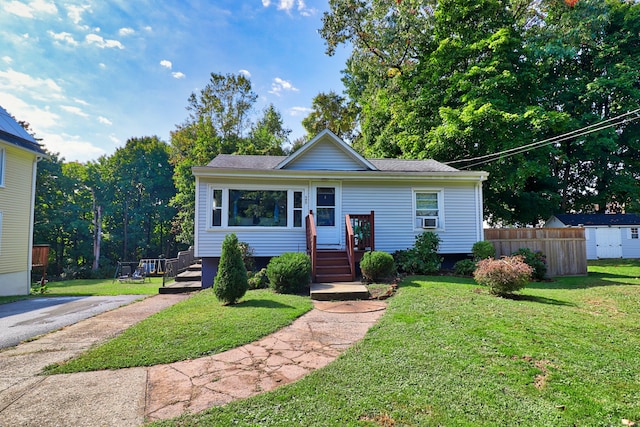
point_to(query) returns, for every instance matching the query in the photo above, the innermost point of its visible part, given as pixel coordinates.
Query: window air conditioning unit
(429, 222)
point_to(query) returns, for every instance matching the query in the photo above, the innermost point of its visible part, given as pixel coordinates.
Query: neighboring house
(266, 201)
(607, 235)
(19, 155)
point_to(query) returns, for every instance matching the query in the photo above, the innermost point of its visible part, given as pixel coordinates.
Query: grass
(95, 287)
(447, 353)
(195, 327)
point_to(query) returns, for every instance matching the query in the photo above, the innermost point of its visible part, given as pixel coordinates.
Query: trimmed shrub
(231, 281)
(377, 265)
(483, 250)
(422, 258)
(464, 267)
(258, 280)
(536, 260)
(289, 272)
(503, 276)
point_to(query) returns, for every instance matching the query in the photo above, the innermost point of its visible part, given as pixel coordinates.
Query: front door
(608, 242)
(326, 199)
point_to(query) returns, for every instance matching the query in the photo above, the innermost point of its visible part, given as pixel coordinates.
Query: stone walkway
(129, 397)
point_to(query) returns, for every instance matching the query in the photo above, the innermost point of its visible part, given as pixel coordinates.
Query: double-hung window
(249, 207)
(428, 208)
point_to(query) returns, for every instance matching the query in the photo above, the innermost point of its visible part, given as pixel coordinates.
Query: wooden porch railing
(312, 237)
(350, 238)
(363, 230)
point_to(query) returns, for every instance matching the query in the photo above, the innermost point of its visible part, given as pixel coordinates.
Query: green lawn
(195, 327)
(446, 353)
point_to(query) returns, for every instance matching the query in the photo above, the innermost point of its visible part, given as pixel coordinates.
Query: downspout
(34, 176)
(480, 207)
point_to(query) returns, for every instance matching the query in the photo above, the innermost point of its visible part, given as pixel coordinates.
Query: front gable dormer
(326, 151)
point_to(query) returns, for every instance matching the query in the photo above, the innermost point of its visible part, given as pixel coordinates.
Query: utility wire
(575, 133)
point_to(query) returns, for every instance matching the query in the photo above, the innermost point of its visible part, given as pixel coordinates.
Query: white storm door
(608, 242)
(326, 200)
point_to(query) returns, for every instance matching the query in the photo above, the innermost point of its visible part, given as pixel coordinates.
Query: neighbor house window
(634, 232)
(2, 156)
(256, 208)
(428, 206)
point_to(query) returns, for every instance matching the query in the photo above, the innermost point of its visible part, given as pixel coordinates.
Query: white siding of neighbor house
(392, 203)
(590, 241)
(630, 247)
(324, 156)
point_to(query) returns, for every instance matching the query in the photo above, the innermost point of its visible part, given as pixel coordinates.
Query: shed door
(608, 242)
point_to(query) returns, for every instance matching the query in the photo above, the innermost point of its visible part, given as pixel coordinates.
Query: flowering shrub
(536, 260)
(503, 276)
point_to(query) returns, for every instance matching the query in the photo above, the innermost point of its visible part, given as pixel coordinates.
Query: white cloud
(63, 36)
(279, 85)
(178, 75)
(166, 63)
(75, 12)
(102, 43)
(266, 3)
(245, 73)
(289, 5)
(71, 147)
(38, 118)
(126, 31)
(7, 59)
(299, 111)
(81, 102)
(148, 28)
(74, 110)
(102, 66)
(104, 121)
(114, 139)
(18, 9)
(37, 87)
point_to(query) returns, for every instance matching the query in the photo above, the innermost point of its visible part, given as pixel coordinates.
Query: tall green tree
(267, 136)
(331, 111)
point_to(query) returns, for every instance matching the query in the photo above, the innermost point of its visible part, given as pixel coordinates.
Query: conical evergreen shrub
(231, 281)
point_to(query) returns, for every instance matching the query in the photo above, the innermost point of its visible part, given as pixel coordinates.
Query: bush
(230, 283)
(503, 276)
(259, 280)
(289, 272)
(377, 265)
(422, 258)
(464, 267)
(247, 256)
(536, 260)
(483, 250)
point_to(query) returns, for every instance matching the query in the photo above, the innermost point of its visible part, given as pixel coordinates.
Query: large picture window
(256, 208)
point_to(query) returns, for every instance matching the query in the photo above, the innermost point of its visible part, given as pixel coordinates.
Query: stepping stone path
(311, 342)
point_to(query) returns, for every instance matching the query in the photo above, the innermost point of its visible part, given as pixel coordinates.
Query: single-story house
(329, 201)
(19, 155)
(607, 235)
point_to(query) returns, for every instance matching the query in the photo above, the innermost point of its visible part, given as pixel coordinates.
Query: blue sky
(88, 75)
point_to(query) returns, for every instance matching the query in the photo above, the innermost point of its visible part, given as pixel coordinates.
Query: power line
(575, 133)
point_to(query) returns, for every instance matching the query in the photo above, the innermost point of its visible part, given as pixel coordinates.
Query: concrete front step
(343, 291)
(189, 276)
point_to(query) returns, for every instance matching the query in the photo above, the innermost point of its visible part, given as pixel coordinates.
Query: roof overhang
(375, 175)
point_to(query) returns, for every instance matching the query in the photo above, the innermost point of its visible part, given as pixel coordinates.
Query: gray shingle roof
(12, 132)
(231, 161)
(599, 219)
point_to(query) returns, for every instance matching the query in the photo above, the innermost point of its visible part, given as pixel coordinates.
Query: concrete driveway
(29, 318)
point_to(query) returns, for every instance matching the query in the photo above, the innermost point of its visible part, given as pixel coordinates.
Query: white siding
(325, 156)
(391, 201)
(630, 247)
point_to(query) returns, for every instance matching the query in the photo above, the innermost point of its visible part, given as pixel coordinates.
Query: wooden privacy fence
(565, 248)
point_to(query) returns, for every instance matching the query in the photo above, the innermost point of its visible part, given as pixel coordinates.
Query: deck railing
(363, 230)
(312, 238)
(350, 239)
(175, 266)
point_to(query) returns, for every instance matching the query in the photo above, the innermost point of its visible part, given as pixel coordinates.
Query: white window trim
(441, 217)
(3, 156)
(630, 233)
(225, 207)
